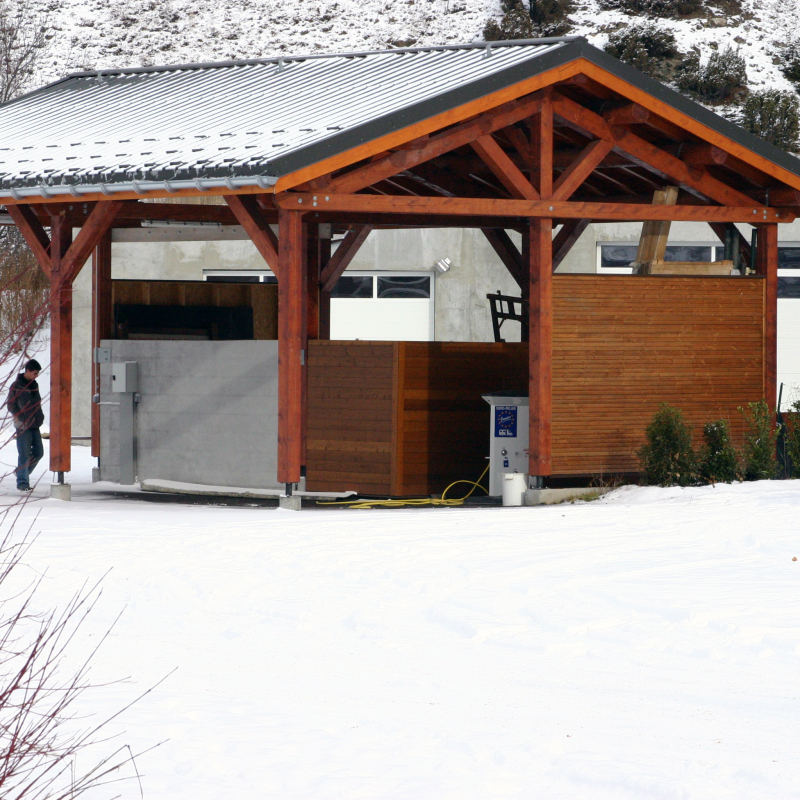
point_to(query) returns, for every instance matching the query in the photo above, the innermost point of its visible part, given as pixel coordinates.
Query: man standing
(25, 405)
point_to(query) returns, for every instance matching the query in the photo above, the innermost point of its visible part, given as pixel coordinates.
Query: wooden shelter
(539, 137)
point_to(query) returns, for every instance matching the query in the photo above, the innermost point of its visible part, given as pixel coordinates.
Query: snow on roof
(231, 120)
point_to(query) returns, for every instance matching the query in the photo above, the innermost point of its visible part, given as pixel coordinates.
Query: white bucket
(514, 486)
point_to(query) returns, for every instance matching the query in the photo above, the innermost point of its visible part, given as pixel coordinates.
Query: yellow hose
(421, 501)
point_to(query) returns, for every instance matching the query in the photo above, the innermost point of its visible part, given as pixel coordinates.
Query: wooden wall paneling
(350, 416)
(622, 347)
(398, 417)
(264, 302)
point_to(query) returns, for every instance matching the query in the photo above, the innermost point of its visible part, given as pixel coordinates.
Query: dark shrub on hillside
(536, 19)
(515, 23)
(667, 459)
(549, 17)
(644, 46)
(789, 57)
(773, 115)
(760, 461)
(657, 9)
(718, 81)
(718, 460)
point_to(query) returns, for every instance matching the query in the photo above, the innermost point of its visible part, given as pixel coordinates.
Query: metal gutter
(142, 187)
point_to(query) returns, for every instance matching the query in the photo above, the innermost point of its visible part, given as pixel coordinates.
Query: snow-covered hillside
(98, 34)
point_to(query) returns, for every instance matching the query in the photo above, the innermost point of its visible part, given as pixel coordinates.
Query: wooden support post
(60, 348)
(767, 265)
(539, 252)
(324, 296)
(312, 277)
(291, 356)
(102, 322)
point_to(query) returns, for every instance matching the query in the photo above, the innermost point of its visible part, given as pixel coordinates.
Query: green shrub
(792, 422)
(658, 9)
(645, 46)
(760, 461)
(549, 17)
(720, 80)
(539, 19)
(789, 61)
(667, 458)
(773, 115)
(718, 460)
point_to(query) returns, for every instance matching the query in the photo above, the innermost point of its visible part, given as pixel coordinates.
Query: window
(789, 287)
(353, 286)
(687, 253)
(789, 258)
(404, 286)
(235, 278)
(615, 256)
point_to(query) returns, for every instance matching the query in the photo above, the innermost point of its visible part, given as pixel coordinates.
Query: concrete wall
(208, 412)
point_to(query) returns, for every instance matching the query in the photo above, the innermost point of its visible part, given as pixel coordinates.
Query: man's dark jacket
(25, 403)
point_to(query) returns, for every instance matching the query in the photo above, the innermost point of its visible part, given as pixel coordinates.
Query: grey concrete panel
(208, 412)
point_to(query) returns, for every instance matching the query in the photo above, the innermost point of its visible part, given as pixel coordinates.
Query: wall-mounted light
(443, 265)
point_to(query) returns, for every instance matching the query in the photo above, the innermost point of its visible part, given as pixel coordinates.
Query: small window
(404, 286)
(686, 253)
(232, 278)
(789, 258)
(353, 286)
(617, 255)
(789, 287)
(270, 279)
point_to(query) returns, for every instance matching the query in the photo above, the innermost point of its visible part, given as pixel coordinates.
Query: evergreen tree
(667, 458)
(774, 115)
(718, 460)
(760, 458)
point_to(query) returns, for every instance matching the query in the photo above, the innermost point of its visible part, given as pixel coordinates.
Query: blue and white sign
(505, 422)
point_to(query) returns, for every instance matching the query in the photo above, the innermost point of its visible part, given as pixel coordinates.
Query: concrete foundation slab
(180, 487)
(61, 491)
(546, 497)
(292, 503)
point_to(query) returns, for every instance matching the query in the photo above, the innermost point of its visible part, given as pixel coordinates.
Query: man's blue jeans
(30, 450)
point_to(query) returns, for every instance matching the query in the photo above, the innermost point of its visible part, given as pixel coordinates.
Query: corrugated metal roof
(233, 120)
(251, 122)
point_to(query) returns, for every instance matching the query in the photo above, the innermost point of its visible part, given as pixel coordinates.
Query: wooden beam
(541, 127)
(344, 254)
(519, 141)
(570, 232)
(767, 265)
(634, 114)
(251, 218)
(313, 271)
(461, 135)
(655, 233)
(291, 313)
(102, 322)
(509, 254)
(324, 296)
(581, 168)
(504, 169)
(97, 224)
(34, 234)
(60, 349)
(649, 155)
(454, 207)
(540, 346)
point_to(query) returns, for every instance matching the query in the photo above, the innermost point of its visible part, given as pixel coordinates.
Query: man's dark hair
(33, 366)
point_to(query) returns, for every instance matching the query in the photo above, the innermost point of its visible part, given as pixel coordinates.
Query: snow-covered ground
(642, 646)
